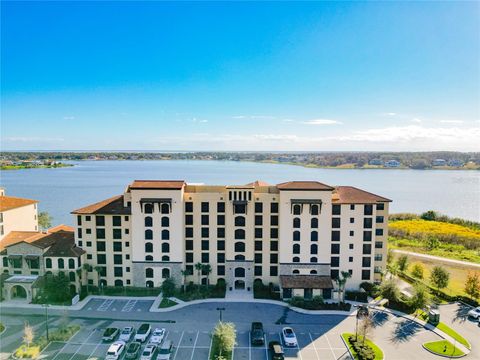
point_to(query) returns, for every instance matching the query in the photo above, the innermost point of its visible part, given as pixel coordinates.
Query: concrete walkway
(439, 259)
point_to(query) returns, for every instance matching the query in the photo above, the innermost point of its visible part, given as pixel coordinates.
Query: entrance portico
(20, 287)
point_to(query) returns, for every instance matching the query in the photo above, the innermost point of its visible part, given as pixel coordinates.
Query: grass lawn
(214, 351)
(449, 331)
(165, 303)
(378, 352)
(443, 348)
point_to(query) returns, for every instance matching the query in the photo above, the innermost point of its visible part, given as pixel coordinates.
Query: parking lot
(125, 306)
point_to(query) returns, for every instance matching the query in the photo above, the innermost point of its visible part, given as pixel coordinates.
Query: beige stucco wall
(23, 218)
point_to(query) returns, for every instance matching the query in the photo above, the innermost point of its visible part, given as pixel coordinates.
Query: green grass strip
(449, 331)
(165, 303)
(443, 348)
(378, 352)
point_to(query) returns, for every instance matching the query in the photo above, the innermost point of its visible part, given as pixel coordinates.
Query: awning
(31, 257)
(14, 257)
(306, 282)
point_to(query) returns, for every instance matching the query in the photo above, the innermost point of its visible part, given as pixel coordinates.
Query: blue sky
(240, 76)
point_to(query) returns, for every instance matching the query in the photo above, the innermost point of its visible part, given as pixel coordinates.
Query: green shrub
(25, 352)
(359, 296)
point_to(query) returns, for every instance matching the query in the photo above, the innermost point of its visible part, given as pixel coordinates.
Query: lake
(61, 190)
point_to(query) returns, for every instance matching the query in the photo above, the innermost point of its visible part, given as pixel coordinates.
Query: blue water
(455, 193)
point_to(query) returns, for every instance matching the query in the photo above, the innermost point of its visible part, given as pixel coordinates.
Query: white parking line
(179, 342)
(129, 305)
(95, 349)
(265, 343)
(313, 344)
(194, 346)
(249, 345)
(328, 341)
(83, 343)
(105, 305)
(210, 348)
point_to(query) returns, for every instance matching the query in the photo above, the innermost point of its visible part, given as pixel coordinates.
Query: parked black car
(276, 350)
(133, 350)
(257, 334)
(110, 334)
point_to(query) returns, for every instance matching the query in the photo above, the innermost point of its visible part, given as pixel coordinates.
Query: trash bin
(433, 316)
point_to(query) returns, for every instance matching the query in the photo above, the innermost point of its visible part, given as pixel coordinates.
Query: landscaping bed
(366, 351)
(317, 304)
(443, 348)
(119, 291)
(166, 303)
(196, 292)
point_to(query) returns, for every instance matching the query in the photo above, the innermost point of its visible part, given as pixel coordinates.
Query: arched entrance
(239, 285)
(18, 292)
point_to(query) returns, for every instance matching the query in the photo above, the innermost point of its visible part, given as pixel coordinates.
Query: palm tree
(79, 274)
(198, 267)
(342, 282)
(98, 269)
(207, 269)
(87, 268)
(185, 273)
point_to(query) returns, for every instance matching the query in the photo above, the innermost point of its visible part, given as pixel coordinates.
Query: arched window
(61, 263)
(165, 235)
(296, 223)
(297, 209)
(165, 208)
(239, 246)
(239, 272)
(313, 259)
(165, 258)
(296, 235)
(148, 235)
(239, 221)
(314, 236)
(71, 263)
(149, 258)
(149, 284)
(48, 263)
(71, 275)
(148, 208)
(314, 223)
(165, 247)
(296, 248)
(165, 273)
(313, 272)
(314, 209)
(239, 234)
(118, 282)
(314, 249)
(165, 221)
(148, 247)
(148, 221)
(296, 271)
(296, 259)
(149, 273)
(239, 257)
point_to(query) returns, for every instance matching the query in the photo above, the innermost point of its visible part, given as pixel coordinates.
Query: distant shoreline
(26, 167)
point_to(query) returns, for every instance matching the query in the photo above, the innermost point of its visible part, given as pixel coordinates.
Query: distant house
(392, 163)
(439, 162)
(375, 162)
(456, 163)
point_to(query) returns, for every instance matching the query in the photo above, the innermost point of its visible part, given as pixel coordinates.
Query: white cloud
(416, 120)
(31, 139)
(69, 118)
(276, 137)
(322, 122)
(254, 117)
(451, 121)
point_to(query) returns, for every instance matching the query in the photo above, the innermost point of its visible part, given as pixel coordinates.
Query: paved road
(439, 259)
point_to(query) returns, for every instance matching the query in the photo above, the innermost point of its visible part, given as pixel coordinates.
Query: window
(71, 263)
(296, 259)
(296, 271)
(220, 207)
(165, 247)
(336, 209)
(88, 218)
(239, 209)
(220, 270)
(205, 232)
(149, 284)
(101, 246)
(335, 235)
(165, 208)
(367, 223)
(71, 276)
(88, 231)
(239, 246)
(100, 233)
(350, 259)
(239, 272)
(296, 235)
(148, 208)
(352, 207)
(239, 257)
(334, 274)
(148, 221)
(89, 243)
(117, 234)
(188, 219)
(101, 259)
(368, 210)
(352, 233)
(117, 259)
(335, 248)
(313, 259)
(352, 220)
(336, 223)
(48, 263)
(220, 258)
(239, 221)
(258, 246)
(314, 249)
(205, 219)
(239, 234)
(189, 232)
(378, 257)
(221, 232)
(148, 247)
(274, 233)
(296, 223)
(258, 207)
(221, 245)
(379, 219)
(367, 236)
(148, 234)
(165, 221)
(296, 248)
(380, 206)
(335, 261)
(205, 206)
(117, 221)
(127, 231)
(205, 258)
(79, 220)
(149, 258)
(314, 223)
(258, 258)
(350, 246)
(379, 232)
(365, 274)
(314, 209)
(257, 271)
(100, 220)
(274, 208)
(189, 257)
(165, 273)
(366, 261)
(189, 206)
(273, 258)
(297, 209)
(165, 235)
(367, 248)
(314, 236)
(220, 219)
(378, 244)
(149, 273)
(274, 220)
(258, 220)
(205, 245)
(273, 245)
(273, 270)
(188, 244)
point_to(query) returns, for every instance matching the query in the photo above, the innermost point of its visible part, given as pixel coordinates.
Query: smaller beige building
(17, 214)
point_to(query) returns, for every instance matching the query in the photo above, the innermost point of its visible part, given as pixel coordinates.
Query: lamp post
(46, 318)
(221, 309)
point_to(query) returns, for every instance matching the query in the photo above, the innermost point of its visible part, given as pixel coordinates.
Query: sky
(304, 76)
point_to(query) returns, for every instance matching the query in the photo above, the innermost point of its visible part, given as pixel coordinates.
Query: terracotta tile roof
(10, 202)
(306, 282)
(258, 183)
(157, 184)
(303, 185)
(61, 227)
(353, 195)
(14, 237)
(111, 206)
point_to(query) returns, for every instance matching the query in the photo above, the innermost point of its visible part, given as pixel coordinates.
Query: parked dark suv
(276, 351)
(257, 333)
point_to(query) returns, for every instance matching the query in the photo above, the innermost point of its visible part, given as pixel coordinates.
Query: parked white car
(149, 352)
(143, 332)
(127, 333)
(289, 337)
(157, 336)
(475, 313)
(165, 351)
(115, 350)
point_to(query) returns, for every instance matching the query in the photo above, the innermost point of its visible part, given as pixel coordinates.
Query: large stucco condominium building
(298, 235)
